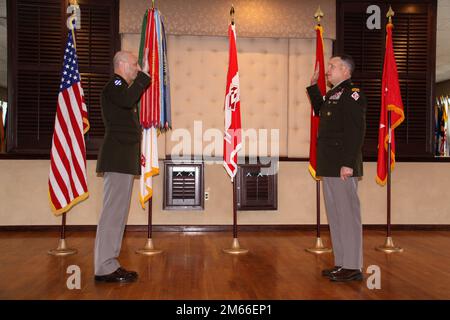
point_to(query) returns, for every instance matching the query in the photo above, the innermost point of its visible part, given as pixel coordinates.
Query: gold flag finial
(318, 15)
(390, 14)
(232, 14)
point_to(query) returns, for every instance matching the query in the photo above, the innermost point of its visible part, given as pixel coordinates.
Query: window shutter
(39, 48)
(414, 46)
(255, 188)
(38, 35)
(95, 53)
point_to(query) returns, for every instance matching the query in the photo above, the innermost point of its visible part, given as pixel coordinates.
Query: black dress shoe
(329, 272)
(344, 275)
(124, 271)
(120, 275)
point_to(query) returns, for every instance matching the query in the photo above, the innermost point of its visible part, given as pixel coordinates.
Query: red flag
(232, 135)
(67, 179)
(322, 86)
(391, 100)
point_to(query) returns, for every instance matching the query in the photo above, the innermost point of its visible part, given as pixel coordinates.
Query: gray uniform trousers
(344, 218)
(116, 205)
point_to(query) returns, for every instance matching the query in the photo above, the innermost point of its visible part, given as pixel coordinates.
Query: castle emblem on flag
(233, 94)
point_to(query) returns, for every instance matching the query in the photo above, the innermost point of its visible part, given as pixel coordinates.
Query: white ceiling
(442, 40)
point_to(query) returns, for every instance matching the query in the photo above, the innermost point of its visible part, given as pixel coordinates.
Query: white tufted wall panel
(263, 65)
(198, 68)
(301, 66)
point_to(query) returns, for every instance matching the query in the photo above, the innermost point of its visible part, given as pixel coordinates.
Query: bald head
(121, 57)
(126, 65)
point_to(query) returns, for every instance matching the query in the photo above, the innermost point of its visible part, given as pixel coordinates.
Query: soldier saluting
(119, 160)
(339, 163)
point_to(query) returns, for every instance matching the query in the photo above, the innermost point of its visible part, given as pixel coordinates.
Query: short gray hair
(348, 61)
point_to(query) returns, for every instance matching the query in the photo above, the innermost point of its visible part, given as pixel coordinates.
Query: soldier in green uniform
(119, 161)
(339, 163)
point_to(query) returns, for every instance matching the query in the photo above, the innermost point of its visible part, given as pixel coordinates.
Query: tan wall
(420, 196)
(443, 88)
(254, 18)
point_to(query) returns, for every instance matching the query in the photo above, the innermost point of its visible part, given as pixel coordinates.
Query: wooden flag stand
(62, 249)
(235, 247)
(149, 249)
(389, 246)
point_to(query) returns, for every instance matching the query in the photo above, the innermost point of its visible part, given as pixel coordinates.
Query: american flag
(67, 179)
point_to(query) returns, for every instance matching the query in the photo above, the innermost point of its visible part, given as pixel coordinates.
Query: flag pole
(318, 247)
(62, 249)
(235, 247)
(149, 248)
(389, 246)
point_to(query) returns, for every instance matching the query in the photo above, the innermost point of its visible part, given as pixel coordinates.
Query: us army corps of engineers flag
(232, 136)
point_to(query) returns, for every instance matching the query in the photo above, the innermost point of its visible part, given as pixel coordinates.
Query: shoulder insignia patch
(355, 96)
(118, 82)
(355, 89)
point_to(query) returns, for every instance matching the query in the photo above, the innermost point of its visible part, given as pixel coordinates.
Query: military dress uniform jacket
(120, 151)
(341, 129)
